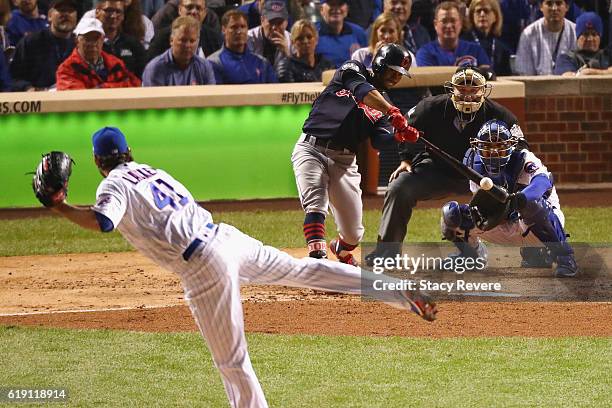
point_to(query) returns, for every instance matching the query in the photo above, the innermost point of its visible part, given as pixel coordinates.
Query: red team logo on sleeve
(373, 114)
(343, 92)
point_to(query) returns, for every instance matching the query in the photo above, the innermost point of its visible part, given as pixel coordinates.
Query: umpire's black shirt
(437, 117)
(339, 114)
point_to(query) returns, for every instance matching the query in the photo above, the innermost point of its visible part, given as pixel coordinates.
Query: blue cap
(109, 141)
(588, 21)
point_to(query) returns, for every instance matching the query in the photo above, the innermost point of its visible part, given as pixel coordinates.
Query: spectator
(448, 48)
(515, 16)
(297, 9)
(5, 76)
(587, 58)
(486, 20)
(386, 29)
(5, 15)
(271, 39)
(134, 23)
(364, 12)
(415, 35)
(38, 55)
(88, 66)
(310, 11)
(111, 13)
(137, 24)
(338, 39)
(573, 10)
(210, 40)
(544, 40)
(150, 7)
(234, 63)
(253, 12)
(25, 19)
(423, 12)
(180, 65)
(166, 15)
(304, 65)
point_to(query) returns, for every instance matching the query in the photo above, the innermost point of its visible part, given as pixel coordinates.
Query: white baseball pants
(212, 290)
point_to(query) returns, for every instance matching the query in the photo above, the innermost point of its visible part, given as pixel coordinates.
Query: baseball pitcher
(160, 218)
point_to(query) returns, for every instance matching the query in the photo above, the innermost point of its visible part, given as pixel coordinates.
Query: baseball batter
(532, 217)
(160, 218)
(350, 109)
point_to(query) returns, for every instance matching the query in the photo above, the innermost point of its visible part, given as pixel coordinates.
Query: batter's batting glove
(408, 134)
(398, 120)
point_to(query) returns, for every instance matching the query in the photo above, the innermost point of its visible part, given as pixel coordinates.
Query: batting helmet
(494, 143)
(468, 89)
(391, 56)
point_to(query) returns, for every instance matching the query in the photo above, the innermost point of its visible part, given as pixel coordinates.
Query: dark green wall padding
(218, 153)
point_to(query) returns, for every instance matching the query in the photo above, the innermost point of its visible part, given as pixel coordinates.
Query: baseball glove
(487, 212)
(50, 181)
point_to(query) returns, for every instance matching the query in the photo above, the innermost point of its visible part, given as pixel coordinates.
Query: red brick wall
(572, 135)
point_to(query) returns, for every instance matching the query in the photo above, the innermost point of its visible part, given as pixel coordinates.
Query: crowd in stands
(68, 44)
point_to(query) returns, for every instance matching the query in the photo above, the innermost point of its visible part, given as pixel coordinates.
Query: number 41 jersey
(152, 210)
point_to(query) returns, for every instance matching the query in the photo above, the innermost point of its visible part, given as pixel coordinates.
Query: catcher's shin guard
(535, 257)
(546, 226)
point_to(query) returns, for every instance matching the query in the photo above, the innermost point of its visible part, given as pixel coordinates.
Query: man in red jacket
(88, 66)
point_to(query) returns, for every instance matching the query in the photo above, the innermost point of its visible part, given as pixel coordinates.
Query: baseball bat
(497, 192)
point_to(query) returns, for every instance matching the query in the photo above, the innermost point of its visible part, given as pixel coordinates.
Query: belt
(209, 232)
(326, 143)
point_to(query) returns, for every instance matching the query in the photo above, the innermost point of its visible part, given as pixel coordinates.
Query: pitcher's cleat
(422, 304)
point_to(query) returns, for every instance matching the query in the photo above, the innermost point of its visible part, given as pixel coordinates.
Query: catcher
(531, 218)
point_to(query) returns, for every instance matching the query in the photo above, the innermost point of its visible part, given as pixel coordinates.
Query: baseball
(486, 183)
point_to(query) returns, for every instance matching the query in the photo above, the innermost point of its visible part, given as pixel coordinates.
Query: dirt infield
(41, 290)
(57, 290)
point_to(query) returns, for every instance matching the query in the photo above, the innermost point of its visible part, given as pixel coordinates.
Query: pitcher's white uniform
(160, 218)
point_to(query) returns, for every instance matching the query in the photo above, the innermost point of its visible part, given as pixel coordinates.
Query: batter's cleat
(535, 257)
(334, 247)
(422, 304)
(317, 249)
(566, 267)
(318, 254)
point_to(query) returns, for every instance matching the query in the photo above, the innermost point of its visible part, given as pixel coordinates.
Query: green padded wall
(218, 153)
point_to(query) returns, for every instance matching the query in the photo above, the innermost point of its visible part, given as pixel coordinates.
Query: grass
(282, 229)
(118, 368)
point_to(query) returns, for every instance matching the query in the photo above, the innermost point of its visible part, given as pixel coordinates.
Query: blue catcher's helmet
(494, 144)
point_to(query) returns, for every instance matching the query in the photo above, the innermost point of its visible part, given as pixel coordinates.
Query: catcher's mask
(494, 144)
(468, 89)
(391, 56)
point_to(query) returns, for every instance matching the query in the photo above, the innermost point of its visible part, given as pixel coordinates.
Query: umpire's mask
(468, 89)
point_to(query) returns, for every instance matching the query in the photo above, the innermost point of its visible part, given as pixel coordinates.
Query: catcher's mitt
(50, 181)
(487, 212)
